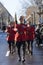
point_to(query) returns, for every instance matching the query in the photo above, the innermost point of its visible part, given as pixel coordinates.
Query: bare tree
(25, 4)
(38, 2)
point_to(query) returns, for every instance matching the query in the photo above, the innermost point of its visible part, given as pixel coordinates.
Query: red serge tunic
(11, 34)
(22, 32)
(32, 30)
(18, 39)
(30, 33)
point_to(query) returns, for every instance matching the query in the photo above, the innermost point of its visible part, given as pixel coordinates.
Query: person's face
(21, 20)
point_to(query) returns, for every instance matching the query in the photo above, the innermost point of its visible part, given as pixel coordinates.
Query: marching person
(30, 38)
(21, 38)
(10, 37)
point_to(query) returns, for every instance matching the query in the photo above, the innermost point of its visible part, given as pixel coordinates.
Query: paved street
(8, 59)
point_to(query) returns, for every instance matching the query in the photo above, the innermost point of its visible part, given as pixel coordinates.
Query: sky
(13, 6)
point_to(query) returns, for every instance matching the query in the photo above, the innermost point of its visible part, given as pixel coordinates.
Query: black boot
(23, 60)
(19, 59)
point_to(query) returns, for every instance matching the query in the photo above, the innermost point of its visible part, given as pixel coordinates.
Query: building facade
(33, 11)
(5, 16)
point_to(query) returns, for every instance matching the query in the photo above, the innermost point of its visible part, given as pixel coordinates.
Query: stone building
(33, 12)
(5, 16)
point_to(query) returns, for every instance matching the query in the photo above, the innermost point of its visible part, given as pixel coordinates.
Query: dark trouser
(24, 47)
(40, 41)
(11, 43)
(19, 44)
(30, 46)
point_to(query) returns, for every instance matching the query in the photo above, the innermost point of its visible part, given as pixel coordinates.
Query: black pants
(11, 43)
(40, 41)
(30, 45)
(19, 44)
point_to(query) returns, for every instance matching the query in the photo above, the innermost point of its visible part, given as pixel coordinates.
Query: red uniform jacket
(22, 32)
(19, 35)
(32, 30)
(30, 33)
(11, 34)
